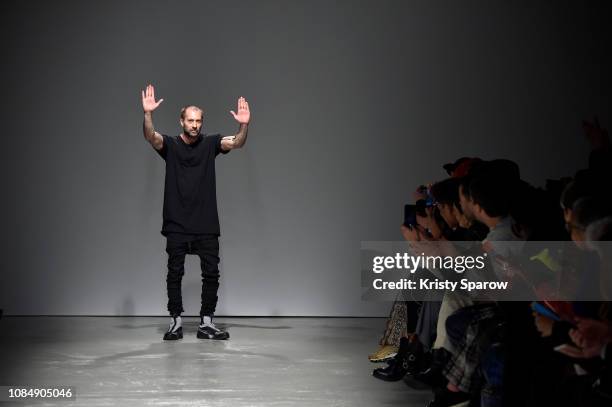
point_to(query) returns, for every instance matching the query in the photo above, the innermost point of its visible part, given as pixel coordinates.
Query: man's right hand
(148, 105)
(148, 99)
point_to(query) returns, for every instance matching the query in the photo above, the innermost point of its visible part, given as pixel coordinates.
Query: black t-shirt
(190, 193)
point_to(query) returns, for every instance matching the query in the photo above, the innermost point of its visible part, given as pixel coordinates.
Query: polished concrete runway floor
(122, 361)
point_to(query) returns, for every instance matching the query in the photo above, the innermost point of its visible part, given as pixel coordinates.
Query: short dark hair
(494, 185)
(446, 191)
(492, 195)
(464, 185)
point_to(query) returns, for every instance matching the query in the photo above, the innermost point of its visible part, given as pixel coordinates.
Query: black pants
(208, 251)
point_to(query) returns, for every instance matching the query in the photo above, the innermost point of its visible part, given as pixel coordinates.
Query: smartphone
(410, 212)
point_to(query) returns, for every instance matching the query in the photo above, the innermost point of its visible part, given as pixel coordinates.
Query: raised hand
(244, 114)
(411, 234)
(148, 99)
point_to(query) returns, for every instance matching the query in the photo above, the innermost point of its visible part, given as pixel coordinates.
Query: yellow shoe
(383, 354)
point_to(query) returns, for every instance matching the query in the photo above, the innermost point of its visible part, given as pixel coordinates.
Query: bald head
(191, 108)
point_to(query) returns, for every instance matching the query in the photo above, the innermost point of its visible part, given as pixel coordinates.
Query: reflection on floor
(267, 362)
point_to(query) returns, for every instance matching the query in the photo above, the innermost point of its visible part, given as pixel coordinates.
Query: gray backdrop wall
(354, 104)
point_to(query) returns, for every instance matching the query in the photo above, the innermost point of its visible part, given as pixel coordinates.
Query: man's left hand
(244, 114)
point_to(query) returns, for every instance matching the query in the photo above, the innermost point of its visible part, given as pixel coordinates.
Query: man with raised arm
(190, 218)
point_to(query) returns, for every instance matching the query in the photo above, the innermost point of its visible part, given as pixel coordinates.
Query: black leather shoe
(383, 371)
(392, 373)
(433, 374)
(174, 335)
(211, 332)
(400, 364)
(447, 398)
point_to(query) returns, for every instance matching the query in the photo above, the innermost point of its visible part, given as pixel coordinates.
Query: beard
(191, 133)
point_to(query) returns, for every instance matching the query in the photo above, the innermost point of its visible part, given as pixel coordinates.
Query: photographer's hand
(543, 324)
(592, 330)
(411, 234)
(430, 223)
(586, 349)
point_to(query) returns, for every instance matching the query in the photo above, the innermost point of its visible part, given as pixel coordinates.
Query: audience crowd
(488, 352)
